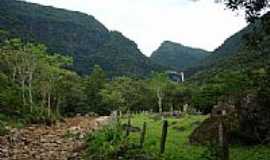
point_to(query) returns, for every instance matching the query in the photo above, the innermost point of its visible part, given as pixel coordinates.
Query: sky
(196, 23)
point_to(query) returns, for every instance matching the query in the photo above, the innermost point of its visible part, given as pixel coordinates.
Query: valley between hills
(72, 89)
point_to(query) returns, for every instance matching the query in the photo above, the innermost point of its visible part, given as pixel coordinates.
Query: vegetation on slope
(120, 56)
(252, 54)
(36, 87)
(229, 49)
(177, 56)
(69, 33)
(76, 35)
(242, 80)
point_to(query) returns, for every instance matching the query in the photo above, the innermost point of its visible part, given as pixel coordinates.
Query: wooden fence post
(163, 136)
(222, 143)
(143, 132)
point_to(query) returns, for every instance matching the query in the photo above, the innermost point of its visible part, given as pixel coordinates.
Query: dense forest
(56, 64)
(231, 46)
(178, 56)
(76, 35)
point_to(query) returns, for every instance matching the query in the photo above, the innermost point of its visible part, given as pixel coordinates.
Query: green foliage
(177, 56)
(240, 79)
(206, 97)
(4, 35)
(158, 84)
(94, 84)
(111, 143)
(120, 56)
(37, 88)
(226, 52)
(71, 90)
(125, 94)
(34, 86)
(105, 143)
(253, 9)
(39, 115)
(228, 86)
(77, 35)
(232, 71)
(112, 98)
(69, 33)
(3, 130)
(178, 147)
(9, 97)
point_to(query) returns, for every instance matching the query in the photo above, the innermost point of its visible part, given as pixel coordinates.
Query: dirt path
(63, 141)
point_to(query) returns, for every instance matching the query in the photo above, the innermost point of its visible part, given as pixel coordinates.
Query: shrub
(105, 143)
(40, 115)
(3, 129)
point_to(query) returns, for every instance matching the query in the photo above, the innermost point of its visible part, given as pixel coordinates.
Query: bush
(40, 115)
(112, 144)
(105, 143)
(3, 129)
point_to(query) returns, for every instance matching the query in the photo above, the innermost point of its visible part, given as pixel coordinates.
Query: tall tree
(94, 84)
(158, 84)
(34, 71)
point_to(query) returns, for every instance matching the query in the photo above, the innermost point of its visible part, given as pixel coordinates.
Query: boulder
(207, 132)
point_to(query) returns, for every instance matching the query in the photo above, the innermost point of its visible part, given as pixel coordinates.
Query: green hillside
(75, 34)
(120, 56)
(247, 50)
(177, 56)
(226, 51)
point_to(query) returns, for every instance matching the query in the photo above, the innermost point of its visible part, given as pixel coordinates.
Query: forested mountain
(247, 50)
(73, 34)
(120, 56)
(241, 78)
(44, 103)
(234, 43)
(231, 47)
(177, 56)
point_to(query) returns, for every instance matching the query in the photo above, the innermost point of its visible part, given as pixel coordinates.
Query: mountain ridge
(69, 33)
(177, 56)
(251, 52)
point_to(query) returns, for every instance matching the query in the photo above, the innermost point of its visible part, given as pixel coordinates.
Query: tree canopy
(253, 8)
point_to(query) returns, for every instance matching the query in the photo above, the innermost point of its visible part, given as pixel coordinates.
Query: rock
(42, 142)
(207, 131)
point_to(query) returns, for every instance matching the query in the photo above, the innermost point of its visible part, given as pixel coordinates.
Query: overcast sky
(203, 24)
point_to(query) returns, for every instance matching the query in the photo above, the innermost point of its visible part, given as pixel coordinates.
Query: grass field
(177, 146)
(111, 143)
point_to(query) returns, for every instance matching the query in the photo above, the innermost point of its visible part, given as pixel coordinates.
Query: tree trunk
(49, 104)
(23, 91)
(58, 106)
(30, 91)
(172, 109)
(160, 104)
(159, 96)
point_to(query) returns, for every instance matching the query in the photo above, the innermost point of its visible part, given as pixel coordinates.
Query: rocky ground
(63, 141)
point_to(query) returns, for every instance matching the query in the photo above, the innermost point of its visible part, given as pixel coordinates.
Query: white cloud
(202, 24)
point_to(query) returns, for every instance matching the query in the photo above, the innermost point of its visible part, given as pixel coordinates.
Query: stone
(39, 142)
(207, 131)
